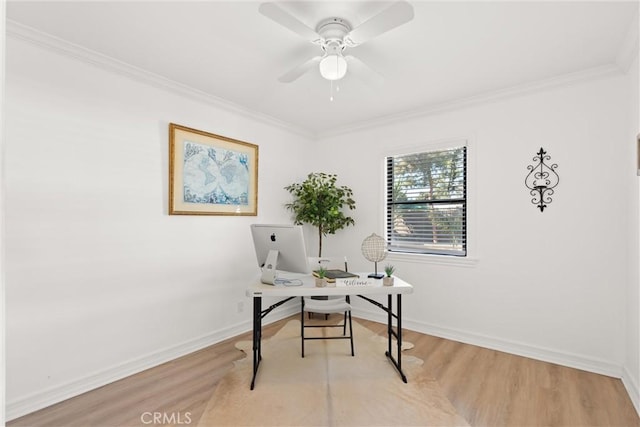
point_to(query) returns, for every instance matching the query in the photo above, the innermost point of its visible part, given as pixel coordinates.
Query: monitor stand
(269, 270)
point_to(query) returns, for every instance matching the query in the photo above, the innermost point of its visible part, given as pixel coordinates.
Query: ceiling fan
(333, 35)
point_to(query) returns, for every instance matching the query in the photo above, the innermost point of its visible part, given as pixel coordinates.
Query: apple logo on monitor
(273, 237)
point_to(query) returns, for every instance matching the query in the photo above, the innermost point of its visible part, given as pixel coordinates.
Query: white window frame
(471, 258)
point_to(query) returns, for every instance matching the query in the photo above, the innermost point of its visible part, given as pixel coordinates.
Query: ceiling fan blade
(397, 14)
(277, 14)
(299, 70)
(363, 71)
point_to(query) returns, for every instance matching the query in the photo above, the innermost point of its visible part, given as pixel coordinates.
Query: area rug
(328, 387)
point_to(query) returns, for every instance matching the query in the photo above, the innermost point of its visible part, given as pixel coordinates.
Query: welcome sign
(357, 282)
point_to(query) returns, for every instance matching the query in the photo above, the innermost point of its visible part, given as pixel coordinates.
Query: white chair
(326, 305)
(329, 263)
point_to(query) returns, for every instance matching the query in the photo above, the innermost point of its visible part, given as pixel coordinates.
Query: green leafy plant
(319, 201)
(321, 272)
(389, 269)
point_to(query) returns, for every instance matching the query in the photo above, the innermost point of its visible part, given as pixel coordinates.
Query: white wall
(549, 285)
(2, 203)
(101, 282)
(631, 374)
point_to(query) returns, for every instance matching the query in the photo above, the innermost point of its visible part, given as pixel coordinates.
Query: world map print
(215, 175)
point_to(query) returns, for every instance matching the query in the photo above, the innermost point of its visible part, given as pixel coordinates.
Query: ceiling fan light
(333, 67)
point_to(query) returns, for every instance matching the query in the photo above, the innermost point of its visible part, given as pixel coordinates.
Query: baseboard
(27, 404)
(517, 348)
(633, 388)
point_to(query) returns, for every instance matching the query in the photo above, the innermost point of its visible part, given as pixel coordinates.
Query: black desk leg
(397, 361)
(257, 337)
(399, 337)
(389, 325)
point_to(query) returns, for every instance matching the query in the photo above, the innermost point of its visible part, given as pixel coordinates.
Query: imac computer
(279, 247)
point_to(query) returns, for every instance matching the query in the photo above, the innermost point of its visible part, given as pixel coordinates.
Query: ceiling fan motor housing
(333, 32)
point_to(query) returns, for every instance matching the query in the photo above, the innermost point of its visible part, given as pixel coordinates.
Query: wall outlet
(240, 306)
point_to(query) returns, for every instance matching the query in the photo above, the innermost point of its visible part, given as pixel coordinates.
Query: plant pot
(321, 283)
(387, 281)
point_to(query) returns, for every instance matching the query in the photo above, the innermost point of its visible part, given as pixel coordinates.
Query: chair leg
(344, 324)
(302, 326)
(351, 334)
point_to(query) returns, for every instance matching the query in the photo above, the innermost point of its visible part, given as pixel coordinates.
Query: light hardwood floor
(487, 387)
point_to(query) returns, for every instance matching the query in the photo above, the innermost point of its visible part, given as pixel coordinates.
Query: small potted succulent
(321, 277)
(388, 279)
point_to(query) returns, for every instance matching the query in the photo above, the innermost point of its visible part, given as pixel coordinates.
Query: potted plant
(319, 201)
(388, 279)
(321, 277)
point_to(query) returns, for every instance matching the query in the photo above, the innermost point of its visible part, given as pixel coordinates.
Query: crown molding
(625, 57)
(484, 98)
(107, 63)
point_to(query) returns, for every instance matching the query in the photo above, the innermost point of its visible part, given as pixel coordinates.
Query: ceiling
(450, 51)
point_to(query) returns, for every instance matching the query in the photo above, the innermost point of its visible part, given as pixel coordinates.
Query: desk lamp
(374, 249)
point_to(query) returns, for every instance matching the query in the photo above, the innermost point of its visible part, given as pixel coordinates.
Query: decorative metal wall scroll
(542, 179)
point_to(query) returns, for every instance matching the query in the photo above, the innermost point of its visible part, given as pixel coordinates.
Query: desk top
(308, 288)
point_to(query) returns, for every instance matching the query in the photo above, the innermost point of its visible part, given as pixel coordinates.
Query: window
(427, 202)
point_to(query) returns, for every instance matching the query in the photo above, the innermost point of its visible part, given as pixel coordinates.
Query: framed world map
(211, 174)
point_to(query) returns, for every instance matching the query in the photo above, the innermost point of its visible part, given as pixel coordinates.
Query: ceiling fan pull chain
(331, 91)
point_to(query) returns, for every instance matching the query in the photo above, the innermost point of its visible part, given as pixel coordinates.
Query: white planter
(321, 283)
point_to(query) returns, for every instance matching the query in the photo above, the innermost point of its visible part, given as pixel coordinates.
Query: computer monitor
(279, 247)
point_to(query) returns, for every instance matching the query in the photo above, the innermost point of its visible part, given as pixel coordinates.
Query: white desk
(308, 288)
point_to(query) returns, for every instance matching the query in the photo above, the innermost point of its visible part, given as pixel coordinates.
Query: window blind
(426, 202)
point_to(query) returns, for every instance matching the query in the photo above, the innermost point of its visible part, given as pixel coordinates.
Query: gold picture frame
(211, 174)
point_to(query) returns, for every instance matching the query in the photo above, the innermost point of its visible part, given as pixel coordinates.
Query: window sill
(433, 259)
